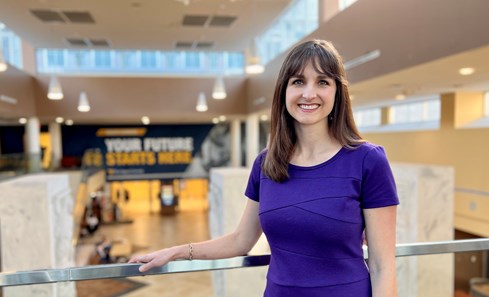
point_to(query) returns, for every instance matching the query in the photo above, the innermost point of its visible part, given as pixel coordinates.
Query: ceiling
(435, 77)
(421, 52)
(220, 25)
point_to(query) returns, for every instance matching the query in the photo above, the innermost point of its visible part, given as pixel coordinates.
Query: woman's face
(309, 97)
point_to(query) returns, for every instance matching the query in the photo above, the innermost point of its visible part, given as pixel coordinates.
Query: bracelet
(190, 251)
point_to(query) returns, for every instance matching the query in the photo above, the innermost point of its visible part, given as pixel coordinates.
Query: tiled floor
(150, 232)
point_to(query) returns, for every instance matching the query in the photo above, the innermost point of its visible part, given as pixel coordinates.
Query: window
(11, 46)
(192, 60)
(148, 59)
(127, 61)
(82, 58)
(367, 117)
(424, 111)
(172, 60)
(102, 59)
(298, 20)
(55, 58)
(235, 60)
(343, 4)
(214, 61)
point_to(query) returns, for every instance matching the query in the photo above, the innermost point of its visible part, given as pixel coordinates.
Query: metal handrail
(126, 270)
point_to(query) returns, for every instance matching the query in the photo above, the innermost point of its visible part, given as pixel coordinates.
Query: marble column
(36, 229)
(56, 147)
(236, 143)
(226, 203)
(425, 214)
(252, 138)
(33, 144)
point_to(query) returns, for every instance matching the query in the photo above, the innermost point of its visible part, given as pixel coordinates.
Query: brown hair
(326, 60)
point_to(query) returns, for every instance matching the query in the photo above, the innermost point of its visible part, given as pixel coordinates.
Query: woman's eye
(297, 82)
(323, 82)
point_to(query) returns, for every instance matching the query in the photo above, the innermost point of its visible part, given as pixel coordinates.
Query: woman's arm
(237, 243)
(381, 241)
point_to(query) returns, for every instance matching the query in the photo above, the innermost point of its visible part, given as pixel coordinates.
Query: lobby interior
(399, 52)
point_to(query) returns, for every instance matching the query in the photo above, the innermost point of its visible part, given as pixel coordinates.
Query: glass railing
(130, 270)
(12, 165)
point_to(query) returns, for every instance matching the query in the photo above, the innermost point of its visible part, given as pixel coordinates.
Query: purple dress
(314, 222)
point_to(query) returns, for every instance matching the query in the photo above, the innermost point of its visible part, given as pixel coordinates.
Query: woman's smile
(309, 107)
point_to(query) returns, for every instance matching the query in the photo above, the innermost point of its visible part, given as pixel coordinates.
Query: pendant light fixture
(253, 64)
(83, 104)
(55, 91)
(201, 103)
(3, 63)
(219, 90)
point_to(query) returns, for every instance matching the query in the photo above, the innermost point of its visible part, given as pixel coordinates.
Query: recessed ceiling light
(69, 122)
(264, 117)
(215, 121)
(400, 96)
(222, 118)
(59, 120)
(22, 120)
(466, 71)
(145, 120)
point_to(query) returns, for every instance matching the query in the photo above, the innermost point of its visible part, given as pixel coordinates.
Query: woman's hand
(154, 259)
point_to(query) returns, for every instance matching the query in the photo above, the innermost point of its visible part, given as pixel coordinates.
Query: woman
(314, 192)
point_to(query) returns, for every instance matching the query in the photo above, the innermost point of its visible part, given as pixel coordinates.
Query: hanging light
(253, 64)
(3, 64)
(219, 90)
(201, 103)
(55, 91)
(83, 104)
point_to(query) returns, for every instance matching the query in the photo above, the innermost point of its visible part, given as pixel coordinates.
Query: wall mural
(149, 152)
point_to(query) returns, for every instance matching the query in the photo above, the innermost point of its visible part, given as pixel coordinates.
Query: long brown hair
(326, 60)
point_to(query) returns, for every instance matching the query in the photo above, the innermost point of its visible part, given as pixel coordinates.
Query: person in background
(317, 192)
(103, 248)
(126, 196)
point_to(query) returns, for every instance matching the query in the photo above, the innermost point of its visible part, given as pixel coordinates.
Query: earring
(330, 117)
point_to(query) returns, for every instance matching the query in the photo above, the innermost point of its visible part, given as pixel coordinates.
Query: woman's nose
(309, 92)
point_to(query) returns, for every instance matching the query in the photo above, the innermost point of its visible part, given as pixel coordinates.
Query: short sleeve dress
(314, 222)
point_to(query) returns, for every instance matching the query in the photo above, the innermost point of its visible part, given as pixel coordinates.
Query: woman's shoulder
(366, 148)
(262, 155)
(260, 158)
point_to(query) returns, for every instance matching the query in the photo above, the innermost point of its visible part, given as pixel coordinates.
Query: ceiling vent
(77, 42)
(100, 42)
(195, 20)
(222, 21)
(184, 45)
(47, 16)
(203, 45)
(80, 17)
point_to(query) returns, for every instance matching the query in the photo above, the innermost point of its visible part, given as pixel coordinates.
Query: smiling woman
(317, 192)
